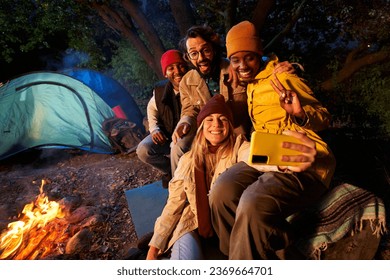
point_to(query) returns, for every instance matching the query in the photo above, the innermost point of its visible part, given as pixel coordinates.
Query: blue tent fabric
(46, 109)
(111, 91)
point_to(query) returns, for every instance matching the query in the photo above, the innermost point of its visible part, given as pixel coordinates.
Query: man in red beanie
(163, 113)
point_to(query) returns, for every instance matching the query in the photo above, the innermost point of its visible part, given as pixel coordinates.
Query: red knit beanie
(170, 57)
(216, 105)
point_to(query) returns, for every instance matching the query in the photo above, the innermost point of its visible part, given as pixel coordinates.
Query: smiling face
(201, 54)
(216, 128)
(246, 64)
(175, 73)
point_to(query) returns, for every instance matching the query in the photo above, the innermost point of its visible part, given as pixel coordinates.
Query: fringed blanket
(341, 212)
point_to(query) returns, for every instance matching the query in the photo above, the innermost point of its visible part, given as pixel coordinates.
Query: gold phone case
(266, 148)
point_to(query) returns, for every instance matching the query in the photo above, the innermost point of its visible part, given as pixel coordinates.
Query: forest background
(344, 47)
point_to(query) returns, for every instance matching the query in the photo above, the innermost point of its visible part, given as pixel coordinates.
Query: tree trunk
(353, 65)
(230, 14)
(121, 24)
(156, 48)
(182, 12)
(261, 12)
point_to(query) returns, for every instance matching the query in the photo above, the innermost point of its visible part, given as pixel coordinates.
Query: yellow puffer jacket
(267, 115)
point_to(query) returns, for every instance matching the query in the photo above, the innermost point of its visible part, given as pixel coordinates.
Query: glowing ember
(23, 237)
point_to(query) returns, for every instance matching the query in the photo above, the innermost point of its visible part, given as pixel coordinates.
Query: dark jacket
(168, 106)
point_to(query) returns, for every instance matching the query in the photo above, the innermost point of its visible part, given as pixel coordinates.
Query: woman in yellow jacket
(185, 222)
(249, 209)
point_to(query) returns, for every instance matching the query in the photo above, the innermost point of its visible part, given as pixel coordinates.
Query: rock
(80, 242)
(80, 214)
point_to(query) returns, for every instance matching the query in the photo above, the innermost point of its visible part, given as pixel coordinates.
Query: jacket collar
(268, 70)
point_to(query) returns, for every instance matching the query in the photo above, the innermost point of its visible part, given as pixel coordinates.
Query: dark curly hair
(207, 34)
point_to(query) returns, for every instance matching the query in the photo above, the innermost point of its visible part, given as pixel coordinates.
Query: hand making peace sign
(288, 99)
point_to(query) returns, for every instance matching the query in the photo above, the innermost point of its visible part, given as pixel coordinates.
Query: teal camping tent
(46, 109)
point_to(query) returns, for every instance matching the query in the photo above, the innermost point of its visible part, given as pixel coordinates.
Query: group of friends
(200, 122)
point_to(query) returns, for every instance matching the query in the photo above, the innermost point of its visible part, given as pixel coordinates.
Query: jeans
(192, 247)
(182, 146)
(187, 247)
(154, 154)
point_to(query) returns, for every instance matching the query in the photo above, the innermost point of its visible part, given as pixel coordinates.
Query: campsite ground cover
(100, 181)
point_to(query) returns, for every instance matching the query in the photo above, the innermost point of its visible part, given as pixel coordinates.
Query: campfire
(33, 236)
(48, 229)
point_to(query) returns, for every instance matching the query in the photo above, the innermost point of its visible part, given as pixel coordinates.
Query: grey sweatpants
(249, 209)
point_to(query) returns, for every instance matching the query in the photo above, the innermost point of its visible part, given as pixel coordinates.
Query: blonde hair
(199, 152)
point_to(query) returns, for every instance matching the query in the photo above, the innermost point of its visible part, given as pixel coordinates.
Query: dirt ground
(97, 180)
(100, 181)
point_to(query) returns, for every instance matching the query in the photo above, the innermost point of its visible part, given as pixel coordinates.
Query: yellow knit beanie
(243, 37)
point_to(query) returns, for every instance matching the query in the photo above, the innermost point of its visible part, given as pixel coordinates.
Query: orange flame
(36, 216)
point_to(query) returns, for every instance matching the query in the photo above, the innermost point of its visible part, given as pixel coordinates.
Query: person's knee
(224, 190)
(141, 152)
(248, 203)
(260, 207)
(230, 184)
(146, 152)
(187, 247)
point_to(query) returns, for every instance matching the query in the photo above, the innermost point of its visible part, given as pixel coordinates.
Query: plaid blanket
(342, 211)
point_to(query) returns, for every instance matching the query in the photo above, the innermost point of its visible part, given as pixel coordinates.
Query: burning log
(48, 229)
(26, 235)
(41, 242)
(33, 240)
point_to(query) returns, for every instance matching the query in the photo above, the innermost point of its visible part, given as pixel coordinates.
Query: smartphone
(266, 148)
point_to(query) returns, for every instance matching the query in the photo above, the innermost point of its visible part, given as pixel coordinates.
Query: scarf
(202, 182)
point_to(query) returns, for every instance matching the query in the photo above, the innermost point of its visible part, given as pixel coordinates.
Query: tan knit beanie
(243, 37)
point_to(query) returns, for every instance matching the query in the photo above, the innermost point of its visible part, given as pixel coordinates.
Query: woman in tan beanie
(249, 208)
(184, 228)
